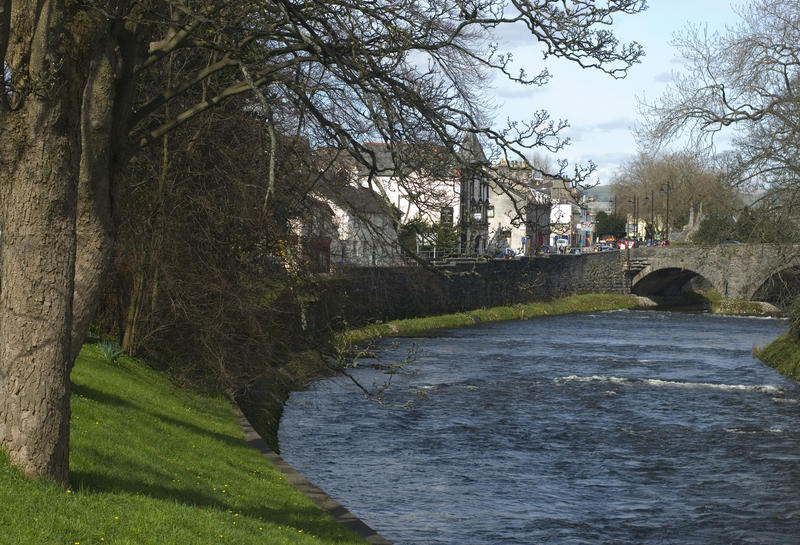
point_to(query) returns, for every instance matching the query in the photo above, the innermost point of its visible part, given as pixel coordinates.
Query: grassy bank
(783, 354)
(415, 327)
(152, 464)
(712, 301)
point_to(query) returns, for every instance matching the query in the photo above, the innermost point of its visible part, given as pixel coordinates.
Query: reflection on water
(623, 427)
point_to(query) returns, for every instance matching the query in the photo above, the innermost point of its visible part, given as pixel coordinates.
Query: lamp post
(669, 188)
(651, 200)
(635, 203)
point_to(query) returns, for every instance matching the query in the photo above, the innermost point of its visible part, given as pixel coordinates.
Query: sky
(602, 111)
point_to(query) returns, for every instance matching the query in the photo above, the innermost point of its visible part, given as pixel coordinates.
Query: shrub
(110, 350)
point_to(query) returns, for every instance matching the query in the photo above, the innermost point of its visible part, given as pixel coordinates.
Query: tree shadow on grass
(114, 473)
(113, 400)
(133, 477)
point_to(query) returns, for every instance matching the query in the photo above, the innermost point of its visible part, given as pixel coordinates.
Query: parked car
(576, 250)
(544, 250)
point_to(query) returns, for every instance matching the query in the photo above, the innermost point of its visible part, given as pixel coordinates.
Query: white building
(348, 226)
(423, 183)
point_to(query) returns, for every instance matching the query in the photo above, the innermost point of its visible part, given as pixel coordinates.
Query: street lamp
(669, 188)
(635, 203)
(652, 201)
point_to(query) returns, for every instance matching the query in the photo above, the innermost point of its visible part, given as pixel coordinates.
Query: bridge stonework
(737, 271)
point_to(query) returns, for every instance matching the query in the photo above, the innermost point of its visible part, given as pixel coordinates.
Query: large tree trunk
(41, 127)
(38, 247)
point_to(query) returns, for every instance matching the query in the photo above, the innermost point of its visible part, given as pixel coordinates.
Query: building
(347, 225)
(519, 214)
(473, 198)
(423, 182)
(572, 224)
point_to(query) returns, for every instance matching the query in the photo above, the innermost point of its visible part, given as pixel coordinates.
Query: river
(627, 427)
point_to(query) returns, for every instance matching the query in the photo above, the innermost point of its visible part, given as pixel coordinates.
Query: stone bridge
(756, 272)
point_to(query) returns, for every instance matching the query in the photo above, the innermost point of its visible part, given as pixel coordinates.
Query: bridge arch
(668, 282)
(780, 287)
(756, 272)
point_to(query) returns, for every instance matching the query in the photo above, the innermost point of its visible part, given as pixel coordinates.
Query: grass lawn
(153, 464)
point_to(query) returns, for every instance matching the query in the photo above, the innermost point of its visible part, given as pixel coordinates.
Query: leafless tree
(741, 83)
(692, 180)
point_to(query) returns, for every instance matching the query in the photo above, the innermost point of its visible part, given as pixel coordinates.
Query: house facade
(519, 214)
(424, 185)
(347, 225)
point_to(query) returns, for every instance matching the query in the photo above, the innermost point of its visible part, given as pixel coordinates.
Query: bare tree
(692, 180)
(71, 116)
(742, 82)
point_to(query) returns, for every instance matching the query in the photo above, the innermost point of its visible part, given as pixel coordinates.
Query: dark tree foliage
(609, 224)
(753, 225)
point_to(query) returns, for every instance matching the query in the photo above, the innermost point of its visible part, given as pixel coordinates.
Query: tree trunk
(94, 227)
(48, 141)
(38, 247)
(132, 316)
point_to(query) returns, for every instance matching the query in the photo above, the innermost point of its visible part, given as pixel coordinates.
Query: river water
(629, 427)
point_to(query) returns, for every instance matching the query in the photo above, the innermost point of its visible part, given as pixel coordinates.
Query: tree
(741, 83)
(691, 179)
(609, 224)
(72, 115)
(715, 228)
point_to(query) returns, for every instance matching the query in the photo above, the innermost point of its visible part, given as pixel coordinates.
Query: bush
(110, 350)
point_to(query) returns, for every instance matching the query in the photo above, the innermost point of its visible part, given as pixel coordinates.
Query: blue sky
(602, 111)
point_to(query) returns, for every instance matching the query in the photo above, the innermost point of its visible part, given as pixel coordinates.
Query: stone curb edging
(320, 498)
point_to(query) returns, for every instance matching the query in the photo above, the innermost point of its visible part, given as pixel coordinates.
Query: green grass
(415, 327)
(783, 354)
(153, 464)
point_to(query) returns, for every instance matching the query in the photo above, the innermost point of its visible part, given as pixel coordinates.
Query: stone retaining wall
(358, 296)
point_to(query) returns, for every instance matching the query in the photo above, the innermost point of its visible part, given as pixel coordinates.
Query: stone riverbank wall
(359, 296)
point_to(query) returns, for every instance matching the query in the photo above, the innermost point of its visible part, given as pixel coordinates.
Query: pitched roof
(387, 159)
(362, 199)
(472, 151)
